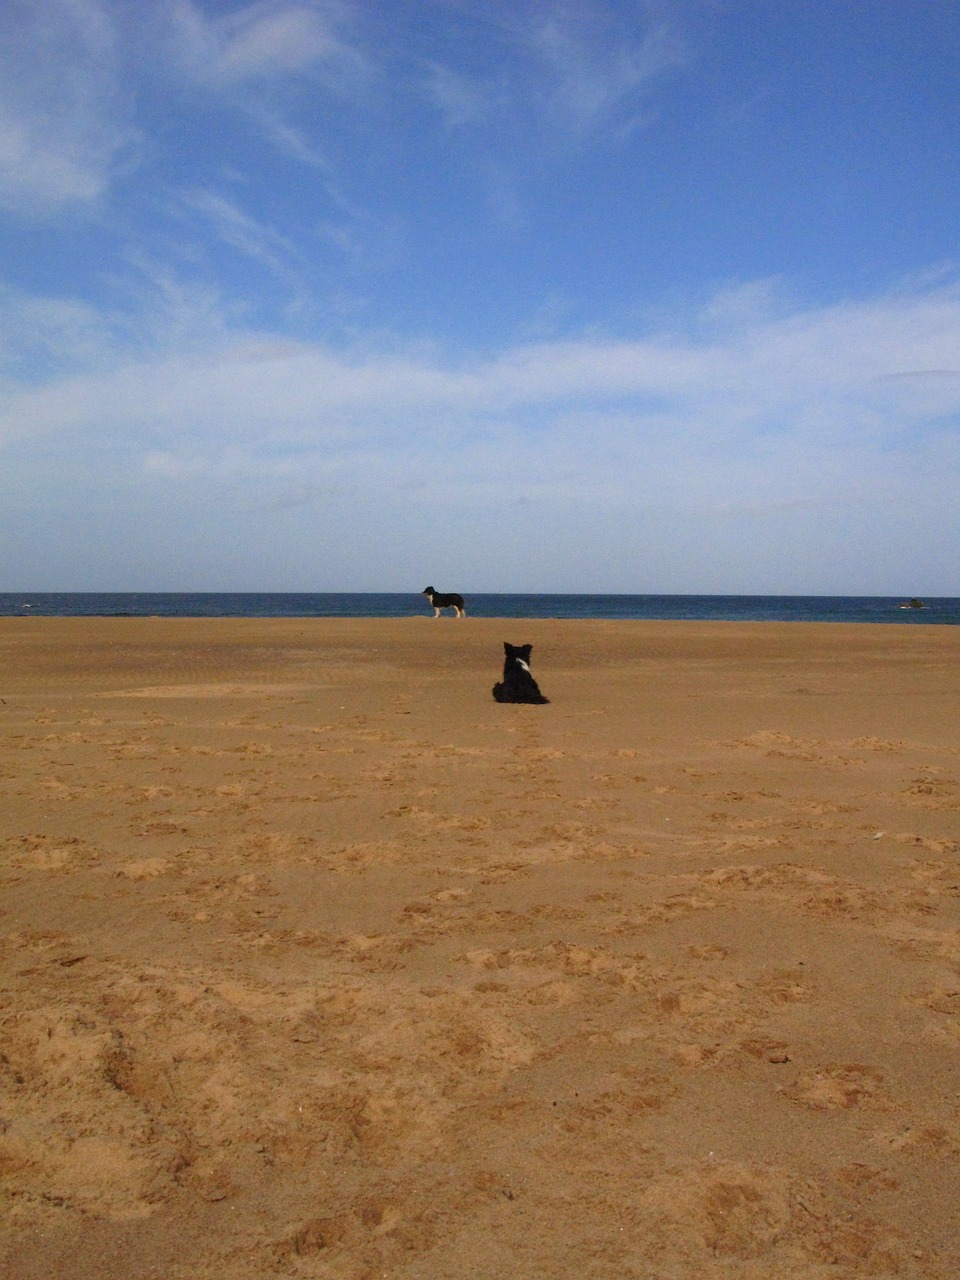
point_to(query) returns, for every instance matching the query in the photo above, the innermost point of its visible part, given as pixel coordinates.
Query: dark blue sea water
(939, 610)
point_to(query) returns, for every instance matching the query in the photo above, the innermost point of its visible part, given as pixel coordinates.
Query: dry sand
(318, 962)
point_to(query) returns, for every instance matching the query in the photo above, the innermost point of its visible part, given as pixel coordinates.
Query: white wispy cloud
(268, 40)
(827, 376)
(461, 99)
(565, 69)
(44, 338)
(248, 235)
(762, 453)
(65, 123)
(591, 79)
(288, 139)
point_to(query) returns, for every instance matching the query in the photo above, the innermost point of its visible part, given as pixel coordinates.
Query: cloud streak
(593, 82)
(564, 69)
(243, 232)
(835, 374)
(65, 122)
(764, 454)
(265, 41)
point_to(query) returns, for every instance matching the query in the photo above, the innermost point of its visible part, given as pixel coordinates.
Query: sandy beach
(318, 962)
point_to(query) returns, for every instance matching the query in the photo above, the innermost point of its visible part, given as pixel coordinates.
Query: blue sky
(643, 295)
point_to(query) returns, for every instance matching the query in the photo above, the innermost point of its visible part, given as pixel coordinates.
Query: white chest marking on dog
(521, 663)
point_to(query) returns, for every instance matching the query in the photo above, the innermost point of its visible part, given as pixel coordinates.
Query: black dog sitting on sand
(518, 684)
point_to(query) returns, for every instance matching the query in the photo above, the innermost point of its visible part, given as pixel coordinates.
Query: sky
(496, 295)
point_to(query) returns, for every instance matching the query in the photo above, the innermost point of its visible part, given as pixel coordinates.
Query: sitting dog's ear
(507, 647)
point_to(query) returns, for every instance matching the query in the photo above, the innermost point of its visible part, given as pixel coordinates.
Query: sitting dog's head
(519, 653)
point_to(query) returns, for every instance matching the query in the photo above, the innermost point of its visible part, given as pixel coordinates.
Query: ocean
(329, 604)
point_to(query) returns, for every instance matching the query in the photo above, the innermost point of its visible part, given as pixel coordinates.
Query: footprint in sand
(836, 1086)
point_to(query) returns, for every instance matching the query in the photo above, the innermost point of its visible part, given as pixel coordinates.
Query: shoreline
(936, 610)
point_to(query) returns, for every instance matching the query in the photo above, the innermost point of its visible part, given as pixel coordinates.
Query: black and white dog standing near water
(449, 601)
(518, 684)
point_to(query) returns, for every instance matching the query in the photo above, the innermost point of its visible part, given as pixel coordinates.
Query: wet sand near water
(317, 962)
